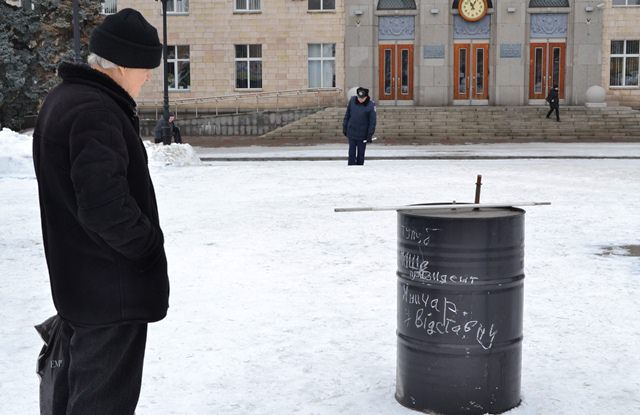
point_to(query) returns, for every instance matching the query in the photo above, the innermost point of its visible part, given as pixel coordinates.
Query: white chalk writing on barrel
(439, 316)
(416, 266)
(422, 237)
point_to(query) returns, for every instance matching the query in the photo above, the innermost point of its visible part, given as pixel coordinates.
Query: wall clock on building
(472, 10)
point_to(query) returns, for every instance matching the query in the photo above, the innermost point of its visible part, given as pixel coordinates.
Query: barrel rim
(433, 213)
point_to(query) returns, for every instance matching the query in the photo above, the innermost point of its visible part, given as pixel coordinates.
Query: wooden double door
(395, 72)
(546, 68)
(471, 72)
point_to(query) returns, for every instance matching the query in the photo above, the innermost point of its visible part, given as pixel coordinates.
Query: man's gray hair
(95, 60)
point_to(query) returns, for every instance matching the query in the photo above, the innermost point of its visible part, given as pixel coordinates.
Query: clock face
(472, 10)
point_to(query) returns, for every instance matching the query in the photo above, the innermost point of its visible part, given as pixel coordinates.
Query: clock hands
(470, 9)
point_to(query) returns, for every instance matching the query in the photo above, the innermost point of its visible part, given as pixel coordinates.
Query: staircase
(458, 125)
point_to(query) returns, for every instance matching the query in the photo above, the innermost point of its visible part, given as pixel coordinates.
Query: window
(247, 5)
(177, 6)
(322, 65)
(109, 7)
(626, 2)
(178, 67)
(625, 56)
(322, 4)
(248, 66)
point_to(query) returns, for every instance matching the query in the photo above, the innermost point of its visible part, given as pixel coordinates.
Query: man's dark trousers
(556, 108)
(356, 152)
(101, 373)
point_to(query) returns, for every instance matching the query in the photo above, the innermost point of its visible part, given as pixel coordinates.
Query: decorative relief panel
(396, 28)
(471, 30)
(549, 25)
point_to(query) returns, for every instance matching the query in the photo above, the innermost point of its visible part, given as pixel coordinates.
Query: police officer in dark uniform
(359, 125)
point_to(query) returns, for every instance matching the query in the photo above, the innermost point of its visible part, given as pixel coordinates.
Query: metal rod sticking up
(478, 186)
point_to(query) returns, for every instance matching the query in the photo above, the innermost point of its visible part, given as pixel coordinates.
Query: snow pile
(15, 154)
(16, 157)
(172, 155)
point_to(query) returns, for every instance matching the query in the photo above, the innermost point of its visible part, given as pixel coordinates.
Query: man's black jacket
(102, 236)
(553, 99)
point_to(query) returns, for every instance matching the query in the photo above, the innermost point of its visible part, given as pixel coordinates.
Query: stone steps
(432, 124)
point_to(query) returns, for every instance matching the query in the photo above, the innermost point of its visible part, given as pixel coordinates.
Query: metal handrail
(217, 99)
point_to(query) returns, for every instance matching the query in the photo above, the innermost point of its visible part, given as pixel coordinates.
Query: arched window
(396, 5)
(549, 3)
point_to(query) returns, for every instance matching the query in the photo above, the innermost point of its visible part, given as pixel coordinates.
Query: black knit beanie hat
(128, 40)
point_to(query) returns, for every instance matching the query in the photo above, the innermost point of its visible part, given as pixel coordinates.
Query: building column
(511, 73)
(434, 54)
(587, 49)
(360, 46)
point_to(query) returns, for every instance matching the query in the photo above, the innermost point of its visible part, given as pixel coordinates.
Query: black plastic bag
(52, 366)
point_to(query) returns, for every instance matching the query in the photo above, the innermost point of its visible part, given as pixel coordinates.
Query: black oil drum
(460, 299)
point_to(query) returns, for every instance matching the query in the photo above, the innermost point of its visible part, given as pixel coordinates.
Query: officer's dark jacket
(102, 237)
(359, 120)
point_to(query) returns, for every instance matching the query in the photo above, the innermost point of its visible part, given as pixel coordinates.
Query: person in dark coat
(102, 238)
(554, 102)
(359, 125)
(175, 130)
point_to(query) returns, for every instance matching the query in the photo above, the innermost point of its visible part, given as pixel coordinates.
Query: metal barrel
(460, 299)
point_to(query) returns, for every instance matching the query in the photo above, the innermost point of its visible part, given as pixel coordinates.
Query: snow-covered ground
(281, 306)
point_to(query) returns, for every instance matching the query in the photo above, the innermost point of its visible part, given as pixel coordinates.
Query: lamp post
(165, 131)
(76, 32)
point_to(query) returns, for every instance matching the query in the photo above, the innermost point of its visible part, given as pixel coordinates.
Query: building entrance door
(396, 73)
(546, 68)
(471, 73)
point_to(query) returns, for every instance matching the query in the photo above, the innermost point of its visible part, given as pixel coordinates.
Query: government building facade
(407, 52)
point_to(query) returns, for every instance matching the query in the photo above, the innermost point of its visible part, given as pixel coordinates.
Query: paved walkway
(379, 151)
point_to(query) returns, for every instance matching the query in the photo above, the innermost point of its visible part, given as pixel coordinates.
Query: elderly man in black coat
(102, 237)
(359, 124)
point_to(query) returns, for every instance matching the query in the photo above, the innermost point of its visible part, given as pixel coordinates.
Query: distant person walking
(100, 225)
(175, 131)
(359, 125)
(554, 102)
